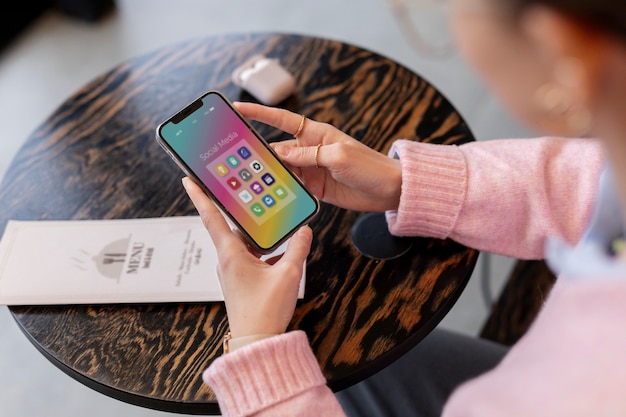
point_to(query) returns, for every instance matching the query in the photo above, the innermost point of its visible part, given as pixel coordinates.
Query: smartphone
(216, 147)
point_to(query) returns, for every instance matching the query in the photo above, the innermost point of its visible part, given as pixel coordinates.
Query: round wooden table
(96, 158)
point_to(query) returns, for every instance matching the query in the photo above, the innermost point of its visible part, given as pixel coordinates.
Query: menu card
(168, 259)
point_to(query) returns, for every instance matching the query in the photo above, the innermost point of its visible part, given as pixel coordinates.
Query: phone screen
(213, 143)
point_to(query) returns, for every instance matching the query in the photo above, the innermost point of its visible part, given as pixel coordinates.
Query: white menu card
(168, 259)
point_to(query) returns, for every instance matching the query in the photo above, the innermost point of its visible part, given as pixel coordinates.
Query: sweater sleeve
(569, 363)
(503, 196)
(278, 376)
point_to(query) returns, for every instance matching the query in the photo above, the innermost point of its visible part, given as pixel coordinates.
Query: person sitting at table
(560, 66)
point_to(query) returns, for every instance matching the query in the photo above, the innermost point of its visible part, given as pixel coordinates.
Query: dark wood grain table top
(96, 157)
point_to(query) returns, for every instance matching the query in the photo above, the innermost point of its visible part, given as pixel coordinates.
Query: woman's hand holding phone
(260, 297)
(348, 174)
(216, 147)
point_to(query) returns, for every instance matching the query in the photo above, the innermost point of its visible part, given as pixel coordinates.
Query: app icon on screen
(233, 183)
(221, 170)
(244, 152)
(245, 175)
(232, 161)
(256, 187)
(245, 196)
(257, 209)
(280, 192)
(268, 200)
(268, 179)
(256, 166)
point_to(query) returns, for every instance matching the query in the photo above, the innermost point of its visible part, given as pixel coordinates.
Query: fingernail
(303, 229)
(282, 150)
(185, 183)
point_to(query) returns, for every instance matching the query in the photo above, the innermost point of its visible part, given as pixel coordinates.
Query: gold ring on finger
(300, 126)
(317, 151)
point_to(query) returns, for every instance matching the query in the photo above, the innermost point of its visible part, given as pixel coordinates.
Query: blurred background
(50, 48)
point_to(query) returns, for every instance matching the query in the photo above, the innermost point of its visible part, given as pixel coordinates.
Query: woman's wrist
(233, 343)
(396, 184)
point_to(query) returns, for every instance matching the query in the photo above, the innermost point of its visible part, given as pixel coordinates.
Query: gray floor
(57, 55)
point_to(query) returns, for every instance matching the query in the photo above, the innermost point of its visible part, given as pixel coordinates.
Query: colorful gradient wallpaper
(264, 198)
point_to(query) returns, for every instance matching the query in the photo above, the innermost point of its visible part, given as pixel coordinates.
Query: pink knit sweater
(505, 197)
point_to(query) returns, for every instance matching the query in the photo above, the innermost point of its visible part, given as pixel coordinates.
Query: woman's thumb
(301, 156)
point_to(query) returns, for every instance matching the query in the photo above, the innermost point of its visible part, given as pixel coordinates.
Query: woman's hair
(605, 15)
